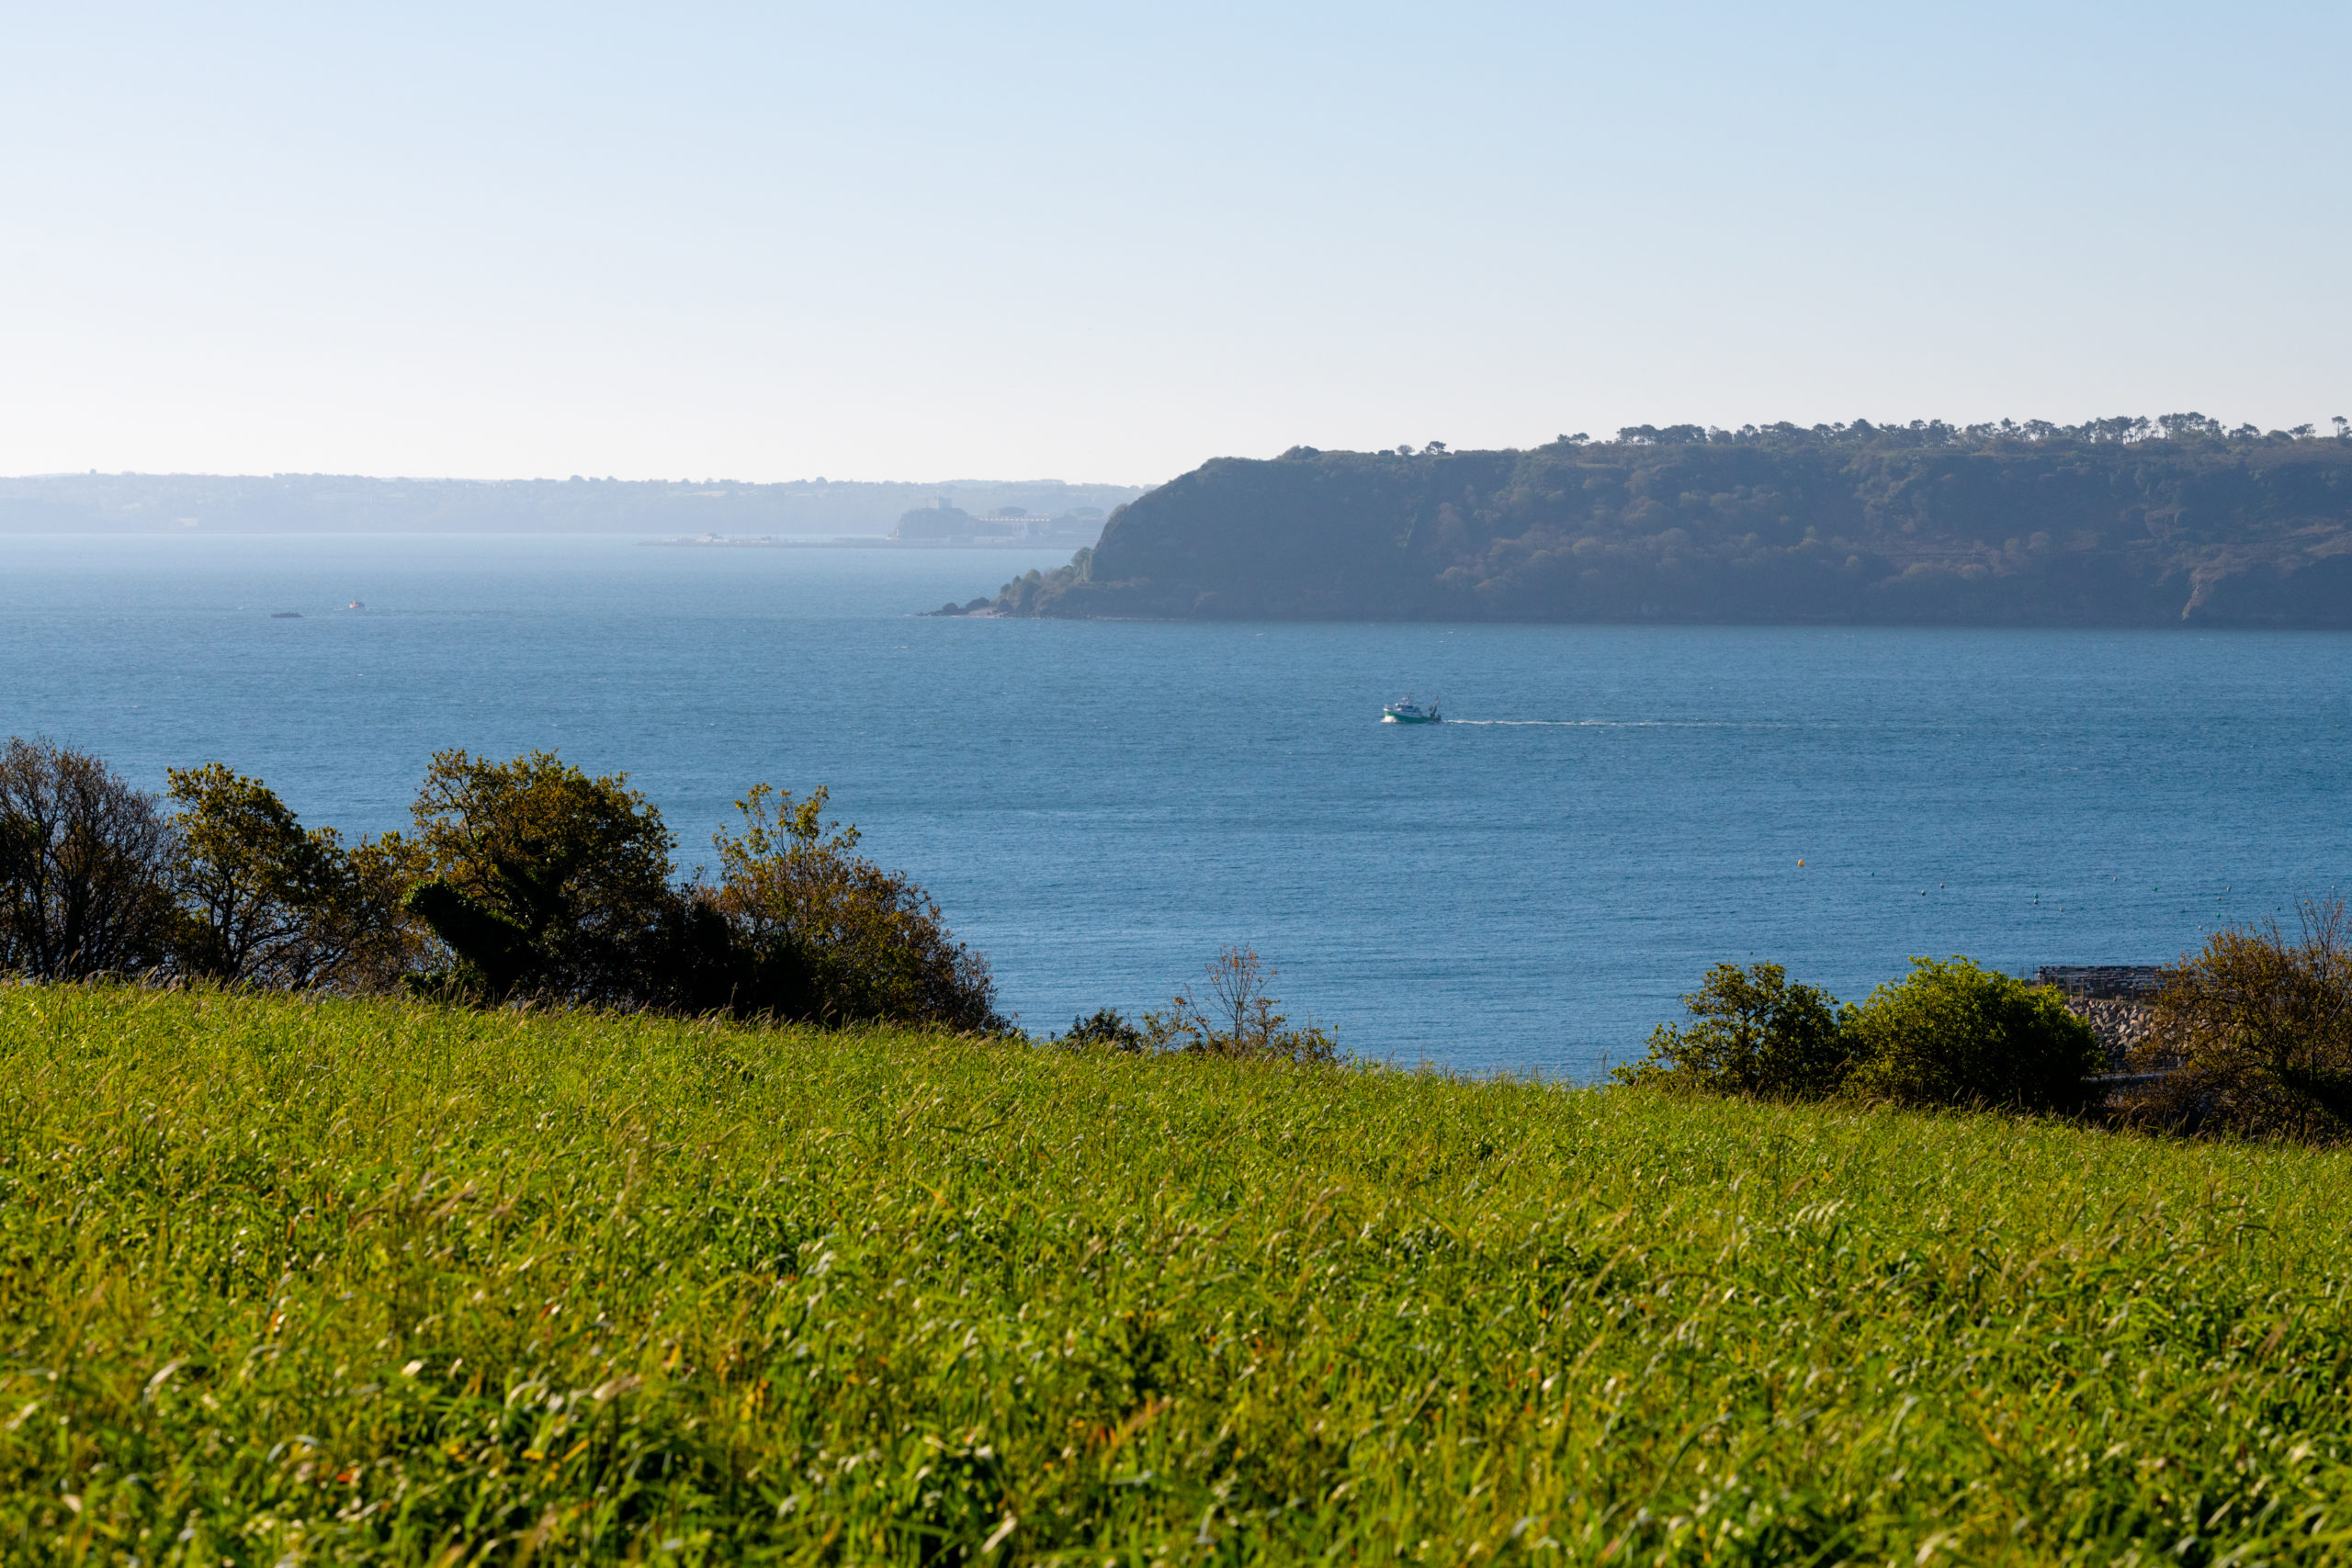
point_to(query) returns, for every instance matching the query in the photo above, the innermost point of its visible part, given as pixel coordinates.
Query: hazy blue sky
(1105, 241)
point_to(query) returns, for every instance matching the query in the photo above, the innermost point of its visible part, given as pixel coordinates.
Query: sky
(1107, 242)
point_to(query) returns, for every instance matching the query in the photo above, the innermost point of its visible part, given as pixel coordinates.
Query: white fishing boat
(1408, 712)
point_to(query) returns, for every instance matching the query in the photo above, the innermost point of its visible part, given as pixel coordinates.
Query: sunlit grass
(372, 1280)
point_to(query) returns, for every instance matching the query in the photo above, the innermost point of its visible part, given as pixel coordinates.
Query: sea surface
(1101, 806)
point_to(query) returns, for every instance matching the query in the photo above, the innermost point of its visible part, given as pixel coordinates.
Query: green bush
(821, 934)
(1947, 1033)
(522, 878)
(1105, 1029)
(1754, 1032)
(1953, 1033)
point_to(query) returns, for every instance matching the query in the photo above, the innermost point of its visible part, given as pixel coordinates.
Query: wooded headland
(2115, 523)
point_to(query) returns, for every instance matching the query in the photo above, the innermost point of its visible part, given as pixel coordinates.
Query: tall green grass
(307, 1282)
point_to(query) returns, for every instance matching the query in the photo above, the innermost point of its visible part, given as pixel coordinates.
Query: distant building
(942, 521)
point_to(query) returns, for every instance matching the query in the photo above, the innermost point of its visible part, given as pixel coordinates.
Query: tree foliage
(2253, 1033)
(523, 879)
(85, 866)
(1953, 1034)
(1753, 1032)
(537, 877)
(263, 900)
(821, 933)
(1106, 1028)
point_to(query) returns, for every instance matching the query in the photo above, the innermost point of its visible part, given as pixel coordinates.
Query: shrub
(1754, 1032)
(85, 866)
(1951, 1033)
(820, 932)
(262, 900)
(1106, 1027)
(2256, 1032)
(538, 879)
(1237, 1017)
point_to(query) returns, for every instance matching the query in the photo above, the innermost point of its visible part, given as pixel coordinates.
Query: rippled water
(1101, 805)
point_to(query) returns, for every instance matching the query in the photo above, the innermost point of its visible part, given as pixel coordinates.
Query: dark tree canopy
(263, 900)
(537, 876)
(85, 861)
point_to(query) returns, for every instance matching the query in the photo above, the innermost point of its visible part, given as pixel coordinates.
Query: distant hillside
(651, 508)
(2121, 521)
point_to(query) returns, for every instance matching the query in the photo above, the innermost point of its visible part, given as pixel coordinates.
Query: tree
(2253, 1034)
(821, 933)
(263, 900)
(85, 866)
(538, 879)
(1755, 1032)
(1952, 1034)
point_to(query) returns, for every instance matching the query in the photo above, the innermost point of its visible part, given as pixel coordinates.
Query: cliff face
(1885, 527)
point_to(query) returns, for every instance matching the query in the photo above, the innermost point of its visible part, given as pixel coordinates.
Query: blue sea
(1101, 806)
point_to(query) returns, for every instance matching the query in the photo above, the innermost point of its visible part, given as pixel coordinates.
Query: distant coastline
(648, 509)
(854, 542)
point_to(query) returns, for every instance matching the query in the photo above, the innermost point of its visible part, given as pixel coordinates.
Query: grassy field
(311, 1282)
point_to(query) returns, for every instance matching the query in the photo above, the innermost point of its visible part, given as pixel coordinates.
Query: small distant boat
(1408, 712)
(286, 614)
(356, 604)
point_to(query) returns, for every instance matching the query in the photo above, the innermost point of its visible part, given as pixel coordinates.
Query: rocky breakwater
(2121, 1026)
(2116, 1000)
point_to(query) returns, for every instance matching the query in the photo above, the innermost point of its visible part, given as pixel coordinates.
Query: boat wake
(1625, 723)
